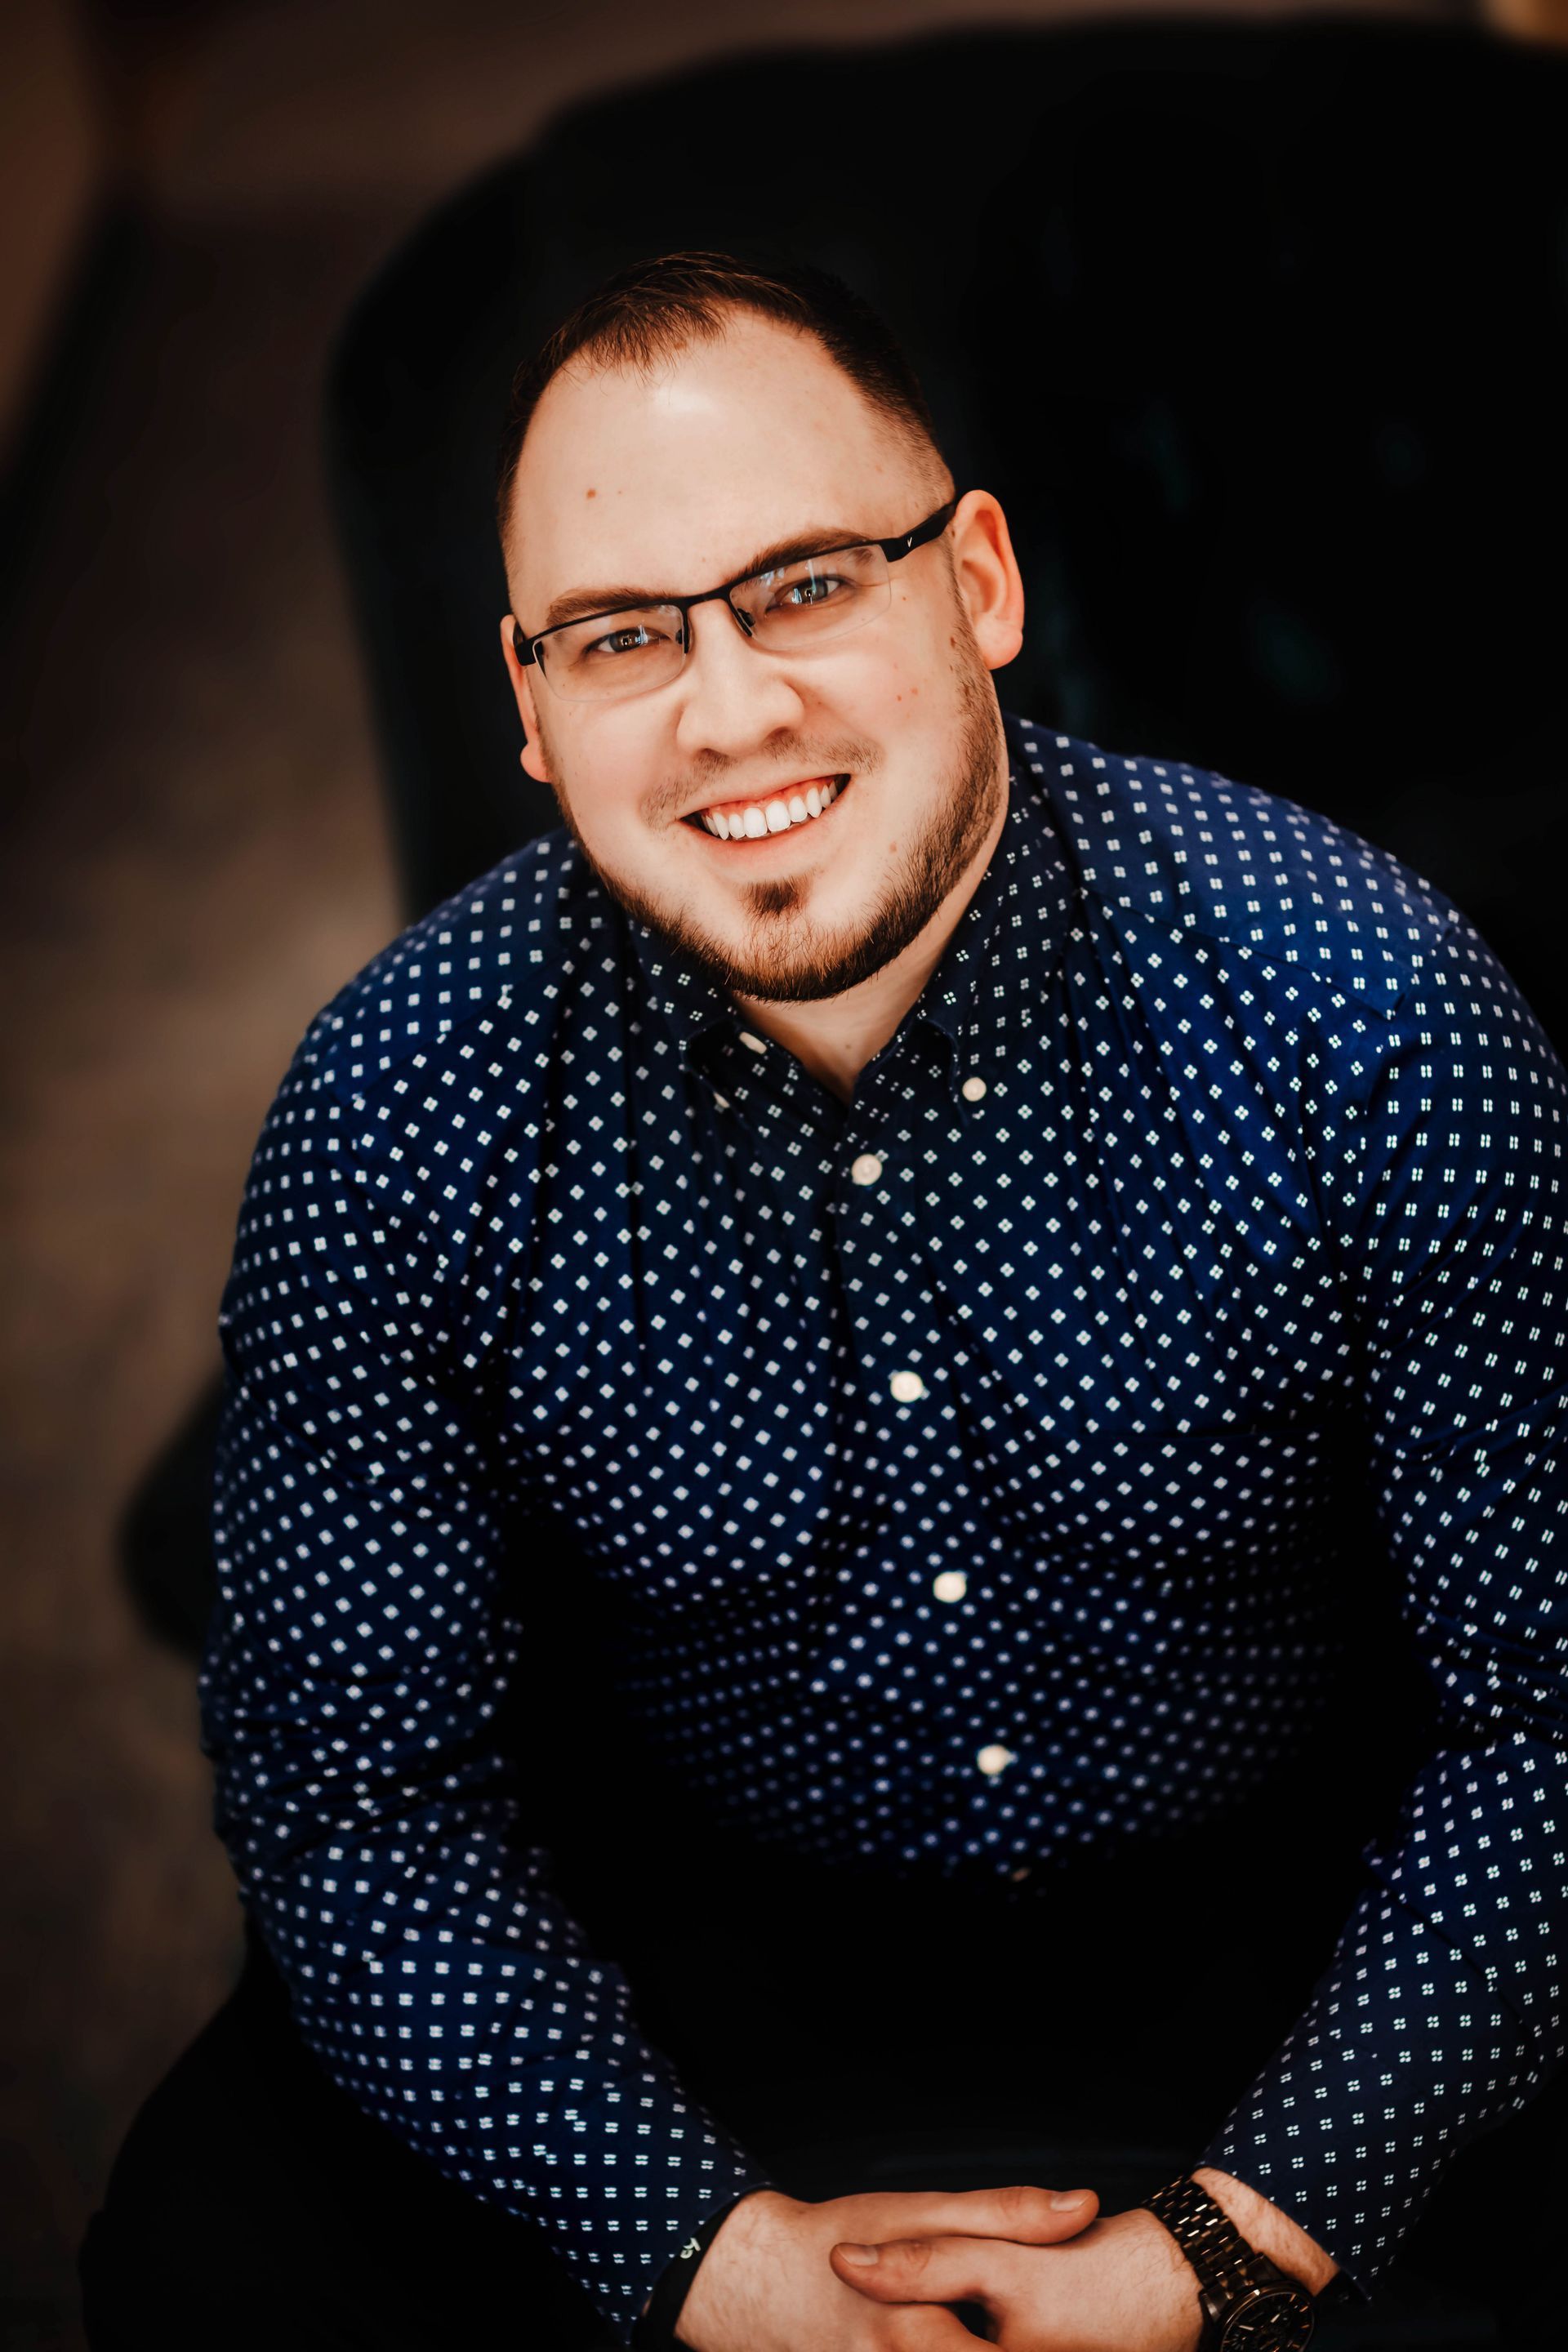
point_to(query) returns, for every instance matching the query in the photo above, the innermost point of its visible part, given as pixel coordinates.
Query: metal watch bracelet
(1248, 2301)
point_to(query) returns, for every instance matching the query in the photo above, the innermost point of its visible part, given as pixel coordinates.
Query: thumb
(931, 2270)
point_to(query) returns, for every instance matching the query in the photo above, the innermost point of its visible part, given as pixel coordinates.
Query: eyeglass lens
(794, 607)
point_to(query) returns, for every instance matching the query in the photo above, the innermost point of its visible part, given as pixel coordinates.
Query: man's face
(670, 484)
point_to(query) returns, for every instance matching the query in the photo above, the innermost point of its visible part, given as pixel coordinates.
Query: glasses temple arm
(907, 541)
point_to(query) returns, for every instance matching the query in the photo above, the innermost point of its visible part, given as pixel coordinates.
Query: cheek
(910, 668)
(610, 823)
(608, 773)
(878, 691)
(546, 737)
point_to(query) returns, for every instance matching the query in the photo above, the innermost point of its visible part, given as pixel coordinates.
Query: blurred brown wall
(52, 170)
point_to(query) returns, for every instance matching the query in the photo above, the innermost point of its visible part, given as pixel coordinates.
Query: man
(963, 1232)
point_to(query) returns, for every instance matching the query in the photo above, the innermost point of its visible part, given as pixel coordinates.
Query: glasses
(793, 608)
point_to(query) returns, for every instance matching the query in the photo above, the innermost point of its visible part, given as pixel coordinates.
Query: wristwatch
(1249, 2304)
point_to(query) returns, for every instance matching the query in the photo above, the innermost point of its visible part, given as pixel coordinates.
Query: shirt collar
(990, 981)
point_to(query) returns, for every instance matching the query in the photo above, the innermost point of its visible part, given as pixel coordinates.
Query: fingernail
(1063, 2199)
(859, 2255)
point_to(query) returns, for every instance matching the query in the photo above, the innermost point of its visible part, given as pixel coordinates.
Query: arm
(367, 1625)
(1441, 2010)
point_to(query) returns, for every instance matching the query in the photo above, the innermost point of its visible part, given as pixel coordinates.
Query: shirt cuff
(621, 2288)
(654, 2329)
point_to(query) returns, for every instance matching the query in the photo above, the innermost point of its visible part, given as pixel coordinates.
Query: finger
(1034, 2217)
(929, 2269)
(924, 2327)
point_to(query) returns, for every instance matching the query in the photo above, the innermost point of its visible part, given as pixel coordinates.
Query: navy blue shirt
(975, 1454)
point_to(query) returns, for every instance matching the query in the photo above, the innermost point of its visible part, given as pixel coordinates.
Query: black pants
(854, 2035)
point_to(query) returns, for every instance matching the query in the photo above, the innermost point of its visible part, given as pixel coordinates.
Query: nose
(733, 697)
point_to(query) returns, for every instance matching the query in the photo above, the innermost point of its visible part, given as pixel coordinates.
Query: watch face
(1274, 2319)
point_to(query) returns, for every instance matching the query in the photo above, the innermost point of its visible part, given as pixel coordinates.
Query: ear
(522, 675)
(986, 571)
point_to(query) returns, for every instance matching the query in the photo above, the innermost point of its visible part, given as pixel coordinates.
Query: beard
(787, 958)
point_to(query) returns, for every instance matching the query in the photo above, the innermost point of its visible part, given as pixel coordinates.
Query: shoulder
(1189, 849)
(494, 964)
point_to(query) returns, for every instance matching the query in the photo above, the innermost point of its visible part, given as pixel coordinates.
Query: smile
(752, 820)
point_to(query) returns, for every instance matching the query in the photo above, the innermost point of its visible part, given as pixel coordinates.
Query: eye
(629, 639)
(806, 591)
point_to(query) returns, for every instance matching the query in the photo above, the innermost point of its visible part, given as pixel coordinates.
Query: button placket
(869, 1168)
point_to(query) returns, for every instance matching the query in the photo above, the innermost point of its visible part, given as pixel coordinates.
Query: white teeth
(772, 816)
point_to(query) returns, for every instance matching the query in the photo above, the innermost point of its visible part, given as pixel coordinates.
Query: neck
(835, 1037)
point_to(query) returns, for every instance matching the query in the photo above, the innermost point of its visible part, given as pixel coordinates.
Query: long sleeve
(367, 1626)
(1442, 2010)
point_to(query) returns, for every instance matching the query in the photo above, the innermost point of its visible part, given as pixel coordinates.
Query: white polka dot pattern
(973, 1455)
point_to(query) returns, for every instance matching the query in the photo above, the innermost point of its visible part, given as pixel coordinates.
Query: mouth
(793, 810)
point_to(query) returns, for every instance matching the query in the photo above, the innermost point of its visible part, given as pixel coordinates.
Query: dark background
(1254, 321)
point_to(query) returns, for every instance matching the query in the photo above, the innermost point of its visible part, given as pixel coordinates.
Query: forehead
(673, 479)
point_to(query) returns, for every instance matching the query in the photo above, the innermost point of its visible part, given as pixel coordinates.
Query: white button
(972, 1089)
(951, 1585)
(757, 1045)
(867, 1169)
(907, 1387)
(993, 1761)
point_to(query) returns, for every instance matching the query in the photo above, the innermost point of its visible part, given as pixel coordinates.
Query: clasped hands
(877, 2273)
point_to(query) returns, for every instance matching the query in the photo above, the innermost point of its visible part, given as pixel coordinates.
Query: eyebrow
(583, 603)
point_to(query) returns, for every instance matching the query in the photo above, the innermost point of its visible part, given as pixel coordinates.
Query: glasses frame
(894, 550)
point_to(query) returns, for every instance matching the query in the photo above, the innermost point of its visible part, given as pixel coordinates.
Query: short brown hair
(651, 309)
